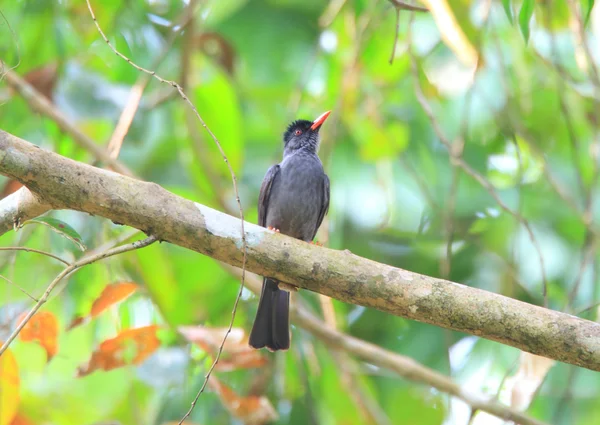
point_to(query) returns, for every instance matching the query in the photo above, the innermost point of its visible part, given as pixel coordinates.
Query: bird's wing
(324, 205)
(265, 192)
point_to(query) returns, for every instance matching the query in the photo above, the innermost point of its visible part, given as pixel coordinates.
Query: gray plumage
(294, 198)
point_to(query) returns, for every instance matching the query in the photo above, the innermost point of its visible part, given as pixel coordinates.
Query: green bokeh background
(395, 195)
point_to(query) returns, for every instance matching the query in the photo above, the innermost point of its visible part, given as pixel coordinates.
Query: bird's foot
(273, 229)
(317, 243)
(287, 287)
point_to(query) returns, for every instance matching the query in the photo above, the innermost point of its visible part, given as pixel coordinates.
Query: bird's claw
(287, 287)
(273, 229)
(317, 243)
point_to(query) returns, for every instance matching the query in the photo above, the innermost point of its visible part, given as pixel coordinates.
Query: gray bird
(294, 198)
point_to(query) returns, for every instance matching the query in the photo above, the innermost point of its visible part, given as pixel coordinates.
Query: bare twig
(459, 162)
(587, 256)
(39, 103)
(397, 30)
(20, 289)
(68, 270)
(16, 40)
(136, 92)
(581, 35)
(400, 5)
(23, 248)
(219, 352)
(223, 155)
(331, 12)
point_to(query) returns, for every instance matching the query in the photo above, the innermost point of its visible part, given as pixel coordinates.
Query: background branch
(68, 270)
(40, 104)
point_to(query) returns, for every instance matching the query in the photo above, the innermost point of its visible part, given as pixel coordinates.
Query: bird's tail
(271, 327)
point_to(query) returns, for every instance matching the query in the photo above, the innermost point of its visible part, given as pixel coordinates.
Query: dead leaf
(43, 79)
(43, 329)
(131, 346)
(19, 419)
(111, 295)
(9, 387)
(10, 187)
(250, 410)
(215, 46)
(237, 354)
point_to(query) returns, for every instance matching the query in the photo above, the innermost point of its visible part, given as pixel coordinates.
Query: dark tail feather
(271, 327)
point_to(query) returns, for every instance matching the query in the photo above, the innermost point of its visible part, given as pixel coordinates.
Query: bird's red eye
(298, 132)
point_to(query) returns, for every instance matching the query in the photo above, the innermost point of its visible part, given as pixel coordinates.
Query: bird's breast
(296, 197)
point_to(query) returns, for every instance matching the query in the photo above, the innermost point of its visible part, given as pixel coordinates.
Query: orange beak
(317, 123)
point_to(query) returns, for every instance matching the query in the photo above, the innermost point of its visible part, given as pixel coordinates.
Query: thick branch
(402, 365)
(64, 183)
(19, 207)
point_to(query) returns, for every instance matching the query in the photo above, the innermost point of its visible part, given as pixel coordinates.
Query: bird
(293, 200)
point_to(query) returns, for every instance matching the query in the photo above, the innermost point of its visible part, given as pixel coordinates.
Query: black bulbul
(294, 198)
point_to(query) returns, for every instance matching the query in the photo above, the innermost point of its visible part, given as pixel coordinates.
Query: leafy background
(525, 124)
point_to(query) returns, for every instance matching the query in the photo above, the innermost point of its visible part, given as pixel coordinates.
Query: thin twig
(588, 253)
(421, 183)
(210, 370)
(136, 92)
(41, 104)
(563, 193)
(400, 5)
(402, 365)
(393, 54)
(575, 145)
(331, 12)
(70, 269)
(459, 162)
(233, 179)
(580, 28)
(567, 395)
(22, 248)
(20, 289)
(16, 40)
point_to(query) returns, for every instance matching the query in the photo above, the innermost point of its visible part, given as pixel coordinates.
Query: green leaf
(525, 15)
(508, 11)
(61, 228)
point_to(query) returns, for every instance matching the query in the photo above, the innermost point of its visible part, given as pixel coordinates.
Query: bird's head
(303, 134)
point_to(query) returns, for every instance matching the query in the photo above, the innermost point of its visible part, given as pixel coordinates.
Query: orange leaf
(11, 186)
(131, 346)
(236, 354)
(43, 329)
(19, 419)
(250, 410)
(9, 387)
(111, 295)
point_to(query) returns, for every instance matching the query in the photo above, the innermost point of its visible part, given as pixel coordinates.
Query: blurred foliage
(526, 122)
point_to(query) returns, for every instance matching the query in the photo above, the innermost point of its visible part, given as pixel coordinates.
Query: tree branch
(65, 183)
(20, 206)
(68, 270)
(40, 104)
(402, 365)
